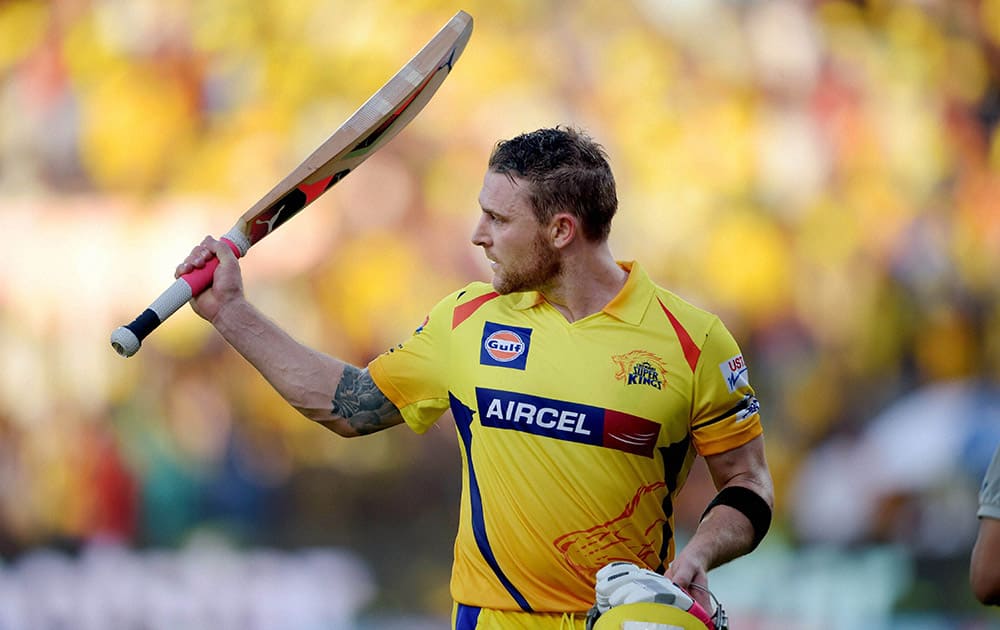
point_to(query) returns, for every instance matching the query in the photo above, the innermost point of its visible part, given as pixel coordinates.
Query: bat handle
(127, 339)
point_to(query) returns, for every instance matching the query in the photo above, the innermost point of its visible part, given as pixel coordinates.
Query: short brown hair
(566, 171)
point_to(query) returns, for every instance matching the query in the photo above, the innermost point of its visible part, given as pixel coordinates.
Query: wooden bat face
(376, 122)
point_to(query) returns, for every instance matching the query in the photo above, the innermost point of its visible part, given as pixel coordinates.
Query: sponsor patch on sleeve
(752, 407)
(734, 372)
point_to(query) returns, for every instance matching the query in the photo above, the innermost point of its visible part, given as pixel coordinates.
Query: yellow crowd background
(825, 175)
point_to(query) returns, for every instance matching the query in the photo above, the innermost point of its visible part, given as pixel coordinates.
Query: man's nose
(479, 236)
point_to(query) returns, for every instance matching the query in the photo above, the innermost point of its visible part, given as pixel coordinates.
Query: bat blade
(369, 128)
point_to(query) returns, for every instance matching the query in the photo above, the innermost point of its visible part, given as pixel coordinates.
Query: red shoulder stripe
(463, 311)
(691, 351)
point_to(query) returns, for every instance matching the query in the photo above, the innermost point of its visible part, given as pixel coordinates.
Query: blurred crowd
(207, 586)
(825, 175)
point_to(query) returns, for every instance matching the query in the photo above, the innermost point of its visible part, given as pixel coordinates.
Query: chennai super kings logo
(640, 367)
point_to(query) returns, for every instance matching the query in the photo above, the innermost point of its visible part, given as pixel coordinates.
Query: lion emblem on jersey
(621, 538)
(640, 367)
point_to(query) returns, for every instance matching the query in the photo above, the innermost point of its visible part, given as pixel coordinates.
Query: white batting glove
(625, 583)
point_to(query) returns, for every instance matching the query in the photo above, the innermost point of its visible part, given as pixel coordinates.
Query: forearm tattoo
(362, 404)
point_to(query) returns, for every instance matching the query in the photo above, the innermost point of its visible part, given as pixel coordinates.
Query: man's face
(522, 257)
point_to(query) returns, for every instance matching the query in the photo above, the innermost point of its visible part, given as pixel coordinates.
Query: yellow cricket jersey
(575, 437)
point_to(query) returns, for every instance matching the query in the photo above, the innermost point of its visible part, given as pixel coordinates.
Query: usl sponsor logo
(505, 346)
(734, 372)
(568, 421)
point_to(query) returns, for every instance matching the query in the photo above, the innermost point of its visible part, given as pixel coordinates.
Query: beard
(533, 273)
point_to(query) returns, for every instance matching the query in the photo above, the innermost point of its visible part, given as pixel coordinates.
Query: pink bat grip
(201, 279)
(126, 340)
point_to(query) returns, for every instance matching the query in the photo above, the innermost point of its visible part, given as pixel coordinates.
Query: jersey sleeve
(725, 413)
(989, 492)
(412, 375)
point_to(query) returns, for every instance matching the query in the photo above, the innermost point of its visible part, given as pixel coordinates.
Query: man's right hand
(621, 583)
(227, 283)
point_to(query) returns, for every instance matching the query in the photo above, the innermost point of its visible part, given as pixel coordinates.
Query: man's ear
(563, 229)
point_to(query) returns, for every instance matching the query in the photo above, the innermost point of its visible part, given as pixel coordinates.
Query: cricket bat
(368, 129)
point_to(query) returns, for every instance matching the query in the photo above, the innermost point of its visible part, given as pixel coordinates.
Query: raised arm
(338, 395)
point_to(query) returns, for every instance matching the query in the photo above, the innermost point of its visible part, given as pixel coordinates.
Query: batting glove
(625, 583)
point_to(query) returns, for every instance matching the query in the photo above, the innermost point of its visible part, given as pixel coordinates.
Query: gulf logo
(504, 346)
